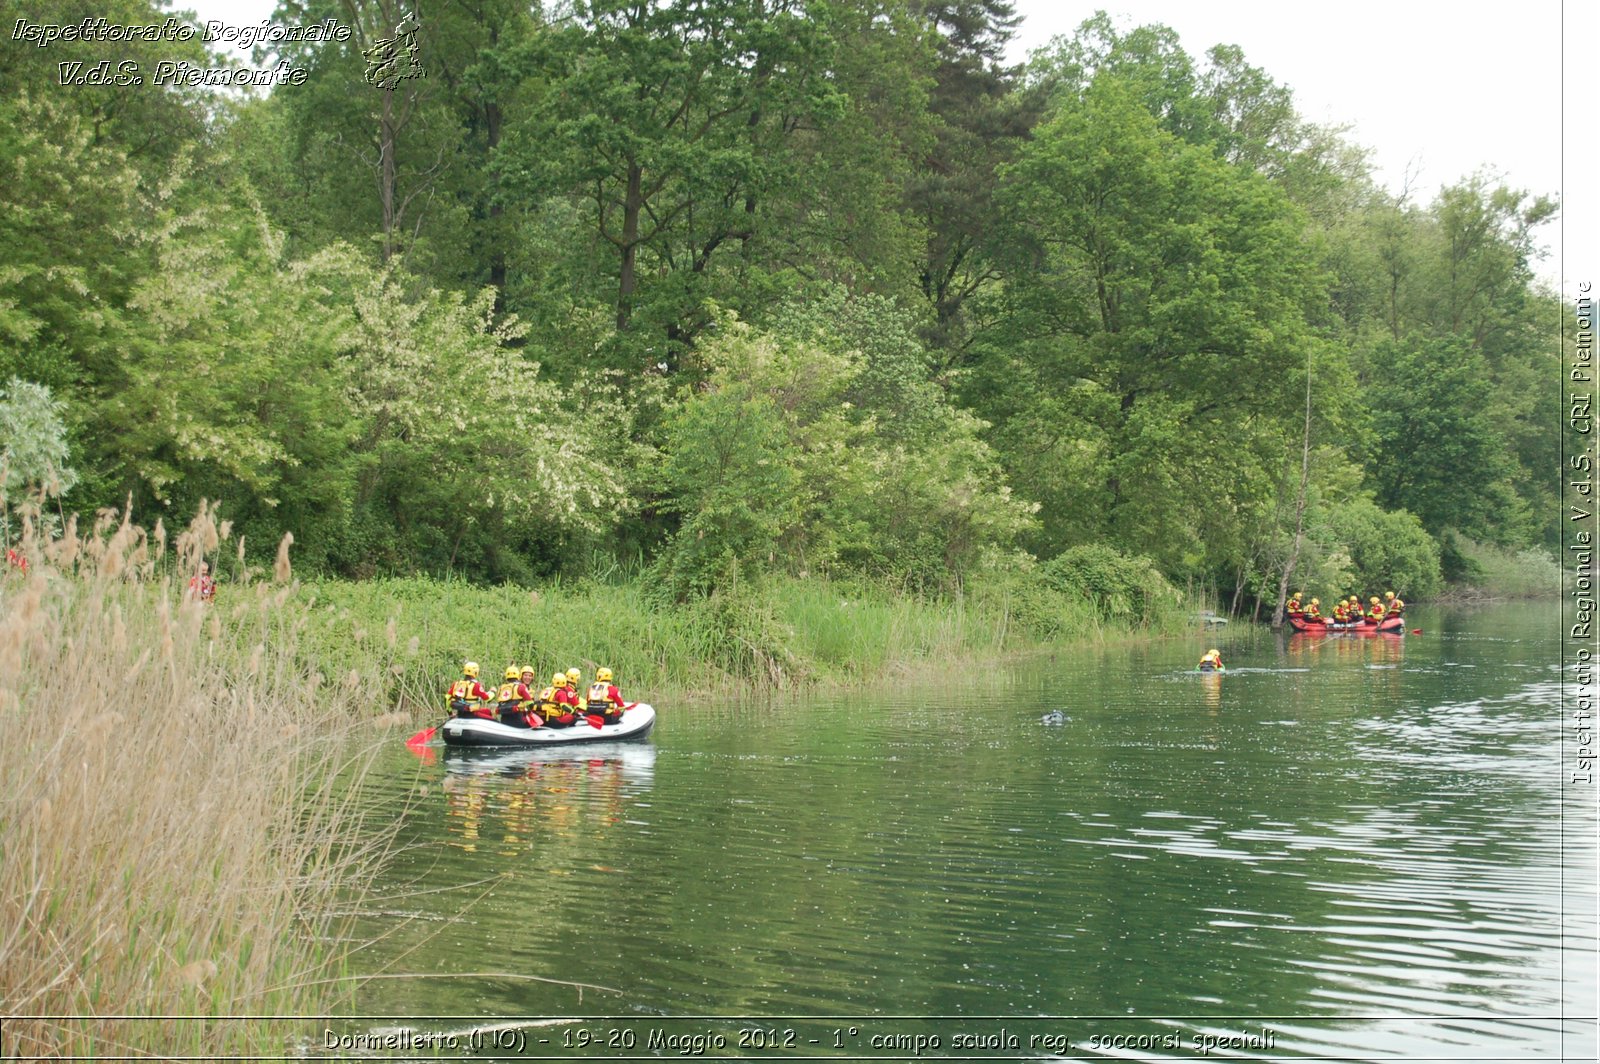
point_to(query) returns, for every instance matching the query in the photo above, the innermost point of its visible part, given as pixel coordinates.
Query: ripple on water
(1364, 847)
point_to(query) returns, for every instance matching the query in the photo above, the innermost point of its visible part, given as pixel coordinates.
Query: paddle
(423, 737)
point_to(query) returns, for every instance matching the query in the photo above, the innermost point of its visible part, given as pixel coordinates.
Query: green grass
(1498, 572)
(782, 634)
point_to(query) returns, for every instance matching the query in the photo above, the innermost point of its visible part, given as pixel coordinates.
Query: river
(1349, 847)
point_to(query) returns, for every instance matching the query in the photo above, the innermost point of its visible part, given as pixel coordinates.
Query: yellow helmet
(513, 673)
(1213, 653)
(470, 670)
(527, 670)
(1298, 594)
(603, 676)
(1388, 594)
(1316, 602)
(1374, 600)
(573, 675)
(558, 680)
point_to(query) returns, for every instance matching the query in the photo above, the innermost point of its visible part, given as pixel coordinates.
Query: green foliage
(782, 633)
(773, 465)
(1120, 587)
(1485, 569)
(1387, 550)
(33, 443)
(472, 325)
(1443, 457)
(670, 124)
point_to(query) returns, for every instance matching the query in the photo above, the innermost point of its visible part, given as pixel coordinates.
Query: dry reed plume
(175, 823)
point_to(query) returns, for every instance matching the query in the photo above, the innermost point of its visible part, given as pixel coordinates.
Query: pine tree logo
(394, 59)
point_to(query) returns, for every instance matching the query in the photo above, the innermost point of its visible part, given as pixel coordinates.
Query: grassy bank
(176, 827)
(1482, 572)
(783, 633)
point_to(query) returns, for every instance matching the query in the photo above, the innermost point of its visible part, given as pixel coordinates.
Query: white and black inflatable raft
(475, 731)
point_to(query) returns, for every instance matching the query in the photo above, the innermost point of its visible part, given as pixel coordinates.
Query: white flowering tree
(463, 431)
(33, 447)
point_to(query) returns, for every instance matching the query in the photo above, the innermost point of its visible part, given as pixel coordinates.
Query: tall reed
(177, 813)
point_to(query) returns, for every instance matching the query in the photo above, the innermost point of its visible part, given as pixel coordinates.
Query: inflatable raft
(1388, 626)
(475, 731)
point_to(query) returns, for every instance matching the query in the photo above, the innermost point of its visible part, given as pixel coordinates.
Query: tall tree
(980, 121)
(1161, 305)
(669, 120)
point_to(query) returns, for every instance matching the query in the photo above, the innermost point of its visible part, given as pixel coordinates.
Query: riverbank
(179, 827)
(408, 637)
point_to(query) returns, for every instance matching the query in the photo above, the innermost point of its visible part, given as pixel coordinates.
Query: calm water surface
(1360, 847)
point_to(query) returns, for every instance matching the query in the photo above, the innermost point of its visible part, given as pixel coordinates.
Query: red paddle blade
(535, 721)
(1416, 631)
(594, 721)
(422, 737)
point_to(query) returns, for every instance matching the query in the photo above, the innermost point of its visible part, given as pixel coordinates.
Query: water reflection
(508, 800)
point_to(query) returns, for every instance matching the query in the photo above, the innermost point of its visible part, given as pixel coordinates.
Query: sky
(1436, 91)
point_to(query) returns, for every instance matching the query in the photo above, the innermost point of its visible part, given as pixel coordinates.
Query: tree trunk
(387, 135)
(632, 207)
(497, 243)
(1299, 505)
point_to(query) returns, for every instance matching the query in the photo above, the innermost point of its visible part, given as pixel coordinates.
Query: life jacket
(1295, 609)
(512, 692)
(1376, 613)
(548, 706)
(461, 691)
(600, 699)
(1397, 606)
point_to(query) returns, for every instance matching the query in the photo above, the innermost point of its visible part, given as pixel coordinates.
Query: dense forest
(707, 291)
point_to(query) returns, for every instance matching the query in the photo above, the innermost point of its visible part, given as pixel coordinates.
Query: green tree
(1439, 453)
(33, 443)
(772, 465)
(1158, 311)
(981, 118)
(667, 121)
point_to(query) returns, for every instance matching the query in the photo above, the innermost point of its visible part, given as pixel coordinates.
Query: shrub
(1387, 548)
(1119, 587)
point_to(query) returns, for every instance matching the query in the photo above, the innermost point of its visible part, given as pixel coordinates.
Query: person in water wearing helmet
(1212, 661)
(466, 696)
